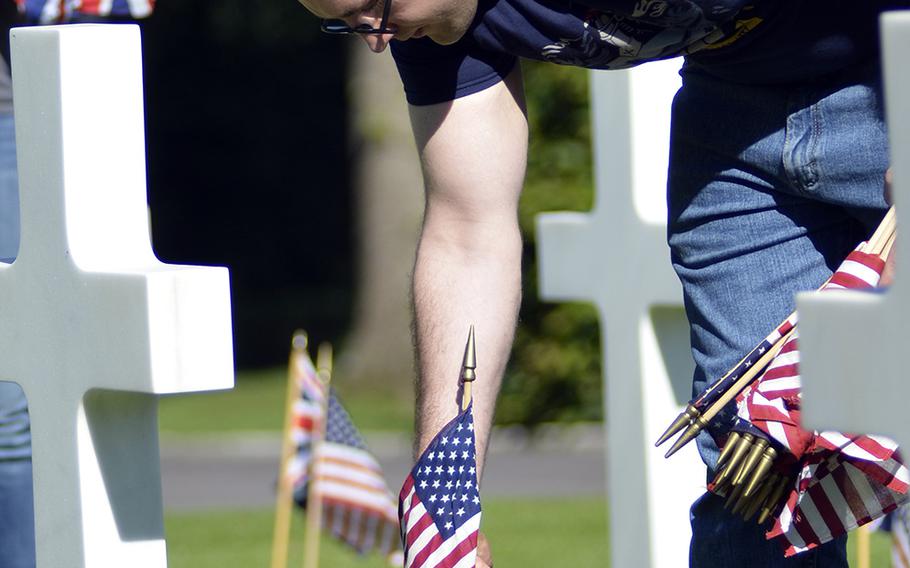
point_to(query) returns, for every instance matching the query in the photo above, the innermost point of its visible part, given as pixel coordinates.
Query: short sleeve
(433, 73)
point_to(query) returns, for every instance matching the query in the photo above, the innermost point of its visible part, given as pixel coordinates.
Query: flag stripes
(843, 480)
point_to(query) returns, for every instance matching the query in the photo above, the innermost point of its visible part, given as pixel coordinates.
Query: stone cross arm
(92, 325)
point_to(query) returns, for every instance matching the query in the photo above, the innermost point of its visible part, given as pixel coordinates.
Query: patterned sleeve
(433, 73)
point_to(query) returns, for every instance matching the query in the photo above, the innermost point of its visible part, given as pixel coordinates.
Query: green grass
(257, 404)
(544, 532)
(523, 533)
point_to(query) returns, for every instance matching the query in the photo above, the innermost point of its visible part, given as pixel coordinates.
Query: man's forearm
(471, 279)
(468, 269)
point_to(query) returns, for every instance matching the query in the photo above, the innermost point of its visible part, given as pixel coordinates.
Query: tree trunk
(389, 208)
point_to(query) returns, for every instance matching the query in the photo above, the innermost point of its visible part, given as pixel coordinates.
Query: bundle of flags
(843, 480)
(814, 485)
(62, 11)
(439, 504)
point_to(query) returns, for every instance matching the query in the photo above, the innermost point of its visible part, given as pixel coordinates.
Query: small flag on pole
(357, 506)
(306, 418)
(439, 504)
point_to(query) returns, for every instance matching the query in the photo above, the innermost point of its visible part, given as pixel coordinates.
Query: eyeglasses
(340, 27)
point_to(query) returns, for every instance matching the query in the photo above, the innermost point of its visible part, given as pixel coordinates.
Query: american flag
(306, 417)
(842, 480)
(61, 11)
(439, 504)
(357, 506)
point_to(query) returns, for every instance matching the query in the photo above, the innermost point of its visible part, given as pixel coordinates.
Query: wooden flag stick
(886, 250)
(863, 553)
(284, 499)
(885, 229)
(313, 527)
(747, 377)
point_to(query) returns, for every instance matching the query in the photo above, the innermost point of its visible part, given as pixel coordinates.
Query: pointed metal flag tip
(687, 436)
(470, 358)
(683, 420)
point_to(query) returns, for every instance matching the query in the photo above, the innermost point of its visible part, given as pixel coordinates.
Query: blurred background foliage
(554, 374)
(252, 164)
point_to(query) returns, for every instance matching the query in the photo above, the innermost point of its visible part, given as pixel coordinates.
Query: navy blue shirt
(753, 41)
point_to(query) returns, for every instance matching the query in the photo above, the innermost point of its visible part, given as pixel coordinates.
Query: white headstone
(617, 257)
(853, 346)
(92, 325)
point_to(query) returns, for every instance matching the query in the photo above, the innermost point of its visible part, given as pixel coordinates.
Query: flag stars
(439, 469)
(435, 484)
(464, 455)
(423, 484)
(448, 484)
(471, 427)
(460, 512)
(448, 525)
(445, 499)
(476, 500)
(432, 498)
(455, 442)
(460, 427)
(444, 441)
(440, 511)
(432, 455)
(453, 455)
(451, 470)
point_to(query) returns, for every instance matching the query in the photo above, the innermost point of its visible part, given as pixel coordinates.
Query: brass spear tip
(734, 464)
(470, 358)
(780, 488)
(691, 432)
(734, 498)
(758, 448)
(761, 470)
(684, 419)
(725, 454)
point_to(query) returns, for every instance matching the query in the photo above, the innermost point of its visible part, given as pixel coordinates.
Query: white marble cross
(617, 257)
(853, 346)
(92, 325)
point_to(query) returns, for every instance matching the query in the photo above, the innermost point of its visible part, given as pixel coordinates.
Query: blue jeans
(769, 188)
(17, 517)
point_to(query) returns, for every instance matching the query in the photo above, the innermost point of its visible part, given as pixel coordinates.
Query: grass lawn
(523, 533)
(257, 404)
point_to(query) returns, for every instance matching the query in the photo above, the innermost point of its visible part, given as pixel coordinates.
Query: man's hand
(484, 556)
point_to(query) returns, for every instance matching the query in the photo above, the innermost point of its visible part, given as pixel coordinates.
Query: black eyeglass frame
(340, 27)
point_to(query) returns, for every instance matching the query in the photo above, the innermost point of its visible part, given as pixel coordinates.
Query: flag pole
(467, 373)
(283, 503)
(313, 527)
(862, 547)
(702, 421)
